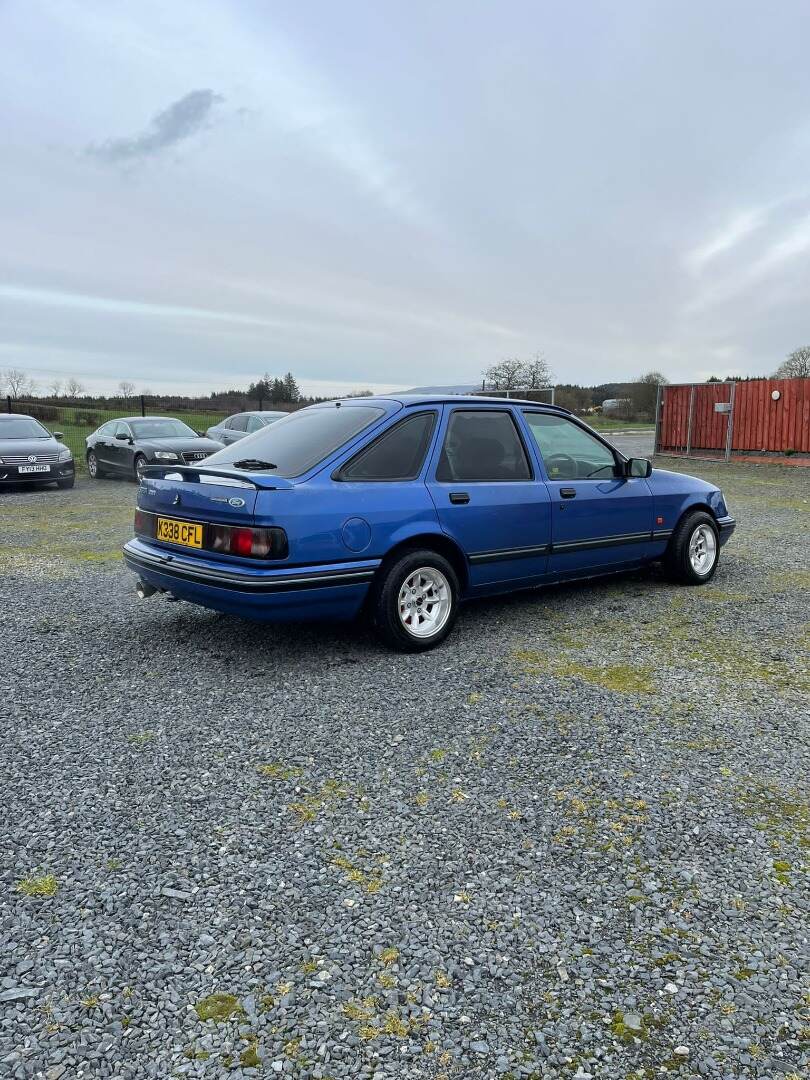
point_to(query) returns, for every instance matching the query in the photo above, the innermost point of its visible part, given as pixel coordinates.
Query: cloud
(736, 230)
(182, 119)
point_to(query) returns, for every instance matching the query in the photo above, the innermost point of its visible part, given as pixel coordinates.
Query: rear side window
(254, 423)
(397, 454)
(482, 445)
(301, 440)
(237, 423)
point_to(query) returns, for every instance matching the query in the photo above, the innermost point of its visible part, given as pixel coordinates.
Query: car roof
(18, 416)
(130, 419)
(450, 399)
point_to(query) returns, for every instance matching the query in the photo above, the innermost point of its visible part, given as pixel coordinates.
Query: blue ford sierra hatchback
(403, 507)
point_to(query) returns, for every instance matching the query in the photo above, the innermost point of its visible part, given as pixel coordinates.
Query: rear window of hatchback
(301, 440)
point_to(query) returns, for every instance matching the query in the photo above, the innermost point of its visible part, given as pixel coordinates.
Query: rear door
(488, 498)
(599, 519)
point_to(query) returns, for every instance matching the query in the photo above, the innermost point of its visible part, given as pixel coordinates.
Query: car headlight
(165, 455)
(65, 455)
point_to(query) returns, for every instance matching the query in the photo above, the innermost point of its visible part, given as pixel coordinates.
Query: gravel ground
(569, 843)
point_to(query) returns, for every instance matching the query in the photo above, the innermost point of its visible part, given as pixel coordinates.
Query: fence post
(143, 406)
(8, 403)
(730, 424)
(261, 404)
(689, 420)
(657, 436)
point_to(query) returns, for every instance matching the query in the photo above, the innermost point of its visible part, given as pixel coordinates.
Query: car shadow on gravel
(258, 645)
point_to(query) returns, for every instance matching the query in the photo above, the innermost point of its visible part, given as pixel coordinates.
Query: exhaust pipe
(144, 590)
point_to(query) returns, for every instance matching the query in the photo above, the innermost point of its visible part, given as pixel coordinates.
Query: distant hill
(460, 388)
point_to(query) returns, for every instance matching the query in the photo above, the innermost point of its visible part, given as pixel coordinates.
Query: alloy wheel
(702, 550)
(425, 601)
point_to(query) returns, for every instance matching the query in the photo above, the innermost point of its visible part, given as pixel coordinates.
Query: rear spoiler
(197, 475)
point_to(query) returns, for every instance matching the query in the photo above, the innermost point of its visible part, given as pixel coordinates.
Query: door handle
(459, 497)
(568, 493)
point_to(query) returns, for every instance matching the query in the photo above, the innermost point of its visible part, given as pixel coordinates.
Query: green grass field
(606, 423)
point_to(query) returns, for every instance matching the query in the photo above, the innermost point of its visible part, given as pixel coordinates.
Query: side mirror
(123, 438)
(58, 434)
(638, 466)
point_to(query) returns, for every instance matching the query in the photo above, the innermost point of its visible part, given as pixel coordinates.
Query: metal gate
(695, 419)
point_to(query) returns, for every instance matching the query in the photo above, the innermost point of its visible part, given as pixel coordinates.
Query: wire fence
(75, 420)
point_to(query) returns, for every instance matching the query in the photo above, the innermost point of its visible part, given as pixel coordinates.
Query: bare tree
(17, 383)
(55, 387)
(126, 389)
(797, 365)
(509, 374)
(538, 372)
(73, 388)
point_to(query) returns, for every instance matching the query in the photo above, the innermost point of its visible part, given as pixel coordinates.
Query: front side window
(301, 440)
(568, 451)
(107, 429)
(158, 428)
(121, 429)
(237, 423)
(482, 445)
(254, 423)
(398, 454)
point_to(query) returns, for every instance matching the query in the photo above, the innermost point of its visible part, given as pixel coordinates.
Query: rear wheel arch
(437, 542)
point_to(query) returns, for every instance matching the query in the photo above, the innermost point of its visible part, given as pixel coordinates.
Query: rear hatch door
(193, 495)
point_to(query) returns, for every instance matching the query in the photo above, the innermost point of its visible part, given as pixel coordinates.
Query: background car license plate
(186, 533)
(33, 468)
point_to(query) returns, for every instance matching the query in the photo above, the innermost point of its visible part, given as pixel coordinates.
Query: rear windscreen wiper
(254, 463)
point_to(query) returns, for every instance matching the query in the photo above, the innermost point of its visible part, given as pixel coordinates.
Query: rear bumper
(726, 527)
(302, 592)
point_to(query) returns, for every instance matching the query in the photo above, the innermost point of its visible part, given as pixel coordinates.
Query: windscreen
(22, 427)
(161, 429)
(298, 442)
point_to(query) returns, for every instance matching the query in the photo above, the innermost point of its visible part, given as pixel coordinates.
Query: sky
(388, 195)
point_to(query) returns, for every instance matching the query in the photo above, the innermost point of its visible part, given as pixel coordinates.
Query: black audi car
(29, 453)
(122, 447)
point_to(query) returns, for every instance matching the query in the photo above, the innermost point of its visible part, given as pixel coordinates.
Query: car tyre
(64, 485)
(694, 550)
(140, 461)
(94, 470)
(415, 601)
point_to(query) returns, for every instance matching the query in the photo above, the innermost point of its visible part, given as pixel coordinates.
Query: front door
(600, 520)
(120, 447)
(488, 499)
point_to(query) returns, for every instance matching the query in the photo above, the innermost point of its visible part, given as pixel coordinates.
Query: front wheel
(416, 601)
(694, 550)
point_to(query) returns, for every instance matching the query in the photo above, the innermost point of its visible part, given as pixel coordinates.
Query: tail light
(250, 543)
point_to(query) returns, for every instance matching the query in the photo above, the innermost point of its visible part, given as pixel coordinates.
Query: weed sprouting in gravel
(45, 885)
(140, 739)
(277, 771)
(219, 1007)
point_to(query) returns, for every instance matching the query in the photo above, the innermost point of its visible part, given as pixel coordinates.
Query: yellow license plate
(186, 533)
